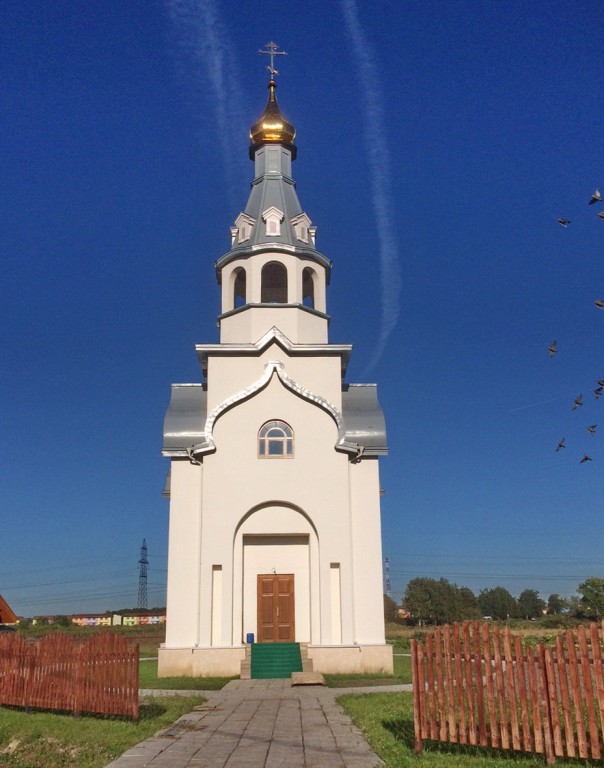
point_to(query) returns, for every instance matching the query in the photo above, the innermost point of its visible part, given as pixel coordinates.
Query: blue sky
(438, 143)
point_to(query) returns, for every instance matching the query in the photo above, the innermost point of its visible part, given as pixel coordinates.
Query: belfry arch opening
(274, 283)
(309, 279)
(239, 287)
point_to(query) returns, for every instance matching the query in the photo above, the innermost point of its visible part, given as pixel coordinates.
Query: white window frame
(282, 436)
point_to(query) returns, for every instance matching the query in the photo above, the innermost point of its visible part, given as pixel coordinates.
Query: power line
(527, 577)
(406, 556)
(90, 598)
(71, 565)
(101, 577)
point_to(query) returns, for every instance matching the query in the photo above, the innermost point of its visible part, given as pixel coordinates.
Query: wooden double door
(276, 609)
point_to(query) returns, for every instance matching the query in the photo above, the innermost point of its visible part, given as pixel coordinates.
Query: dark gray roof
(364, 419)
(185, 418)
(275, 189)
(278, 191)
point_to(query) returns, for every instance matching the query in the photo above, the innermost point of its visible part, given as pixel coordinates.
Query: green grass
(402, 674)
(386, 720)
(148, 679)
(147, 649)
(400, 644)
(48, 740)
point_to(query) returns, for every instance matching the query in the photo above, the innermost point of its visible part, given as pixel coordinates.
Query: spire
(273, 275)
(273, 214)
(272, 126)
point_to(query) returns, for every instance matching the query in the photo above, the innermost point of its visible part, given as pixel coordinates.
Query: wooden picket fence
(99, 675)
(474, 684)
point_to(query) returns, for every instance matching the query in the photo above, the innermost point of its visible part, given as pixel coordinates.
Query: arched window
(276, 441)
(308, 287)
(239, 298)
(274, 283)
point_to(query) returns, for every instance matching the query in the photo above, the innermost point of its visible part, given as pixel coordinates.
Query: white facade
(274, 484)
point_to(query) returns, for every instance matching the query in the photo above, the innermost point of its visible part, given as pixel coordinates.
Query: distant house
(122, 618)
(7, 615)
(132, 618)
(92, 619)
(139, 618)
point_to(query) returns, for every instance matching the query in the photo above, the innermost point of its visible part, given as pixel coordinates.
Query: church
(274, 531)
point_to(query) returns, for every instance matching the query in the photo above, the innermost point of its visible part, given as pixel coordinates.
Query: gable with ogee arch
(273, 367)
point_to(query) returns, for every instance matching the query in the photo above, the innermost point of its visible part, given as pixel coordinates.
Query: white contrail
(379, 165)
(540, 402)
(202, 35)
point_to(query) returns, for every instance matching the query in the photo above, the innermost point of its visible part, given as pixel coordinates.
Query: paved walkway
(259, 724)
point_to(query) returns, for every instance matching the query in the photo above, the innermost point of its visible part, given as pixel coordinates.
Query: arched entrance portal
(276, 576)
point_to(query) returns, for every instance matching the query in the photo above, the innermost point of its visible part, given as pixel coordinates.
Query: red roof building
(7, 615)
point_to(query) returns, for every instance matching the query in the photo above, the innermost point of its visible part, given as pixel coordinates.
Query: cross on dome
(272, 52)
(272, 126)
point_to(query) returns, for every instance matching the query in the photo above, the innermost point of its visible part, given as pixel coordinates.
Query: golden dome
(272, 125)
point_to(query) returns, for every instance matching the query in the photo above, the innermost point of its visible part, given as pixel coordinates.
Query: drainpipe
(351, 529)
(198, 601)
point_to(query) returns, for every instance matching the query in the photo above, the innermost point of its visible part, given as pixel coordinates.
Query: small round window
(275, 441)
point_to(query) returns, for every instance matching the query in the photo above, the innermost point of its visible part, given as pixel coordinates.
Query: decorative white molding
(244, 225)
(273, 217)
(272, 213)
(208, 445)
(301, 224)
(275, 335)
(268, 246)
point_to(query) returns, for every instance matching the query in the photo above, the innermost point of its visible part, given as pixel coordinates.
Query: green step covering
(271, 660)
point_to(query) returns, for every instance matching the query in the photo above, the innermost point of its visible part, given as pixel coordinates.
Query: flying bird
(598, 392)
(585, 458)
(599, 303)
(592, 429)
(560, 445)
(601, 382)
(596, 197)
(601, 214)
(553, 348)
(565, 222)
(578, 401)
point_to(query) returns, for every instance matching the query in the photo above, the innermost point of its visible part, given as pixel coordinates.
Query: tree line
(438, 601)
